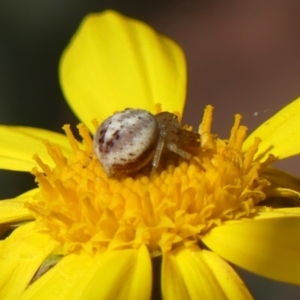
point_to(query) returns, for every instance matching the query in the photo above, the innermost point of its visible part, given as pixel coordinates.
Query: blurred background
(243, 57)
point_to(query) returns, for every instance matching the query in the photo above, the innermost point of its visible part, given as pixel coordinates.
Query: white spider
(128, 140)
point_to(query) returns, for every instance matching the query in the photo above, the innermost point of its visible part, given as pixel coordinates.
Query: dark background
(243, 57)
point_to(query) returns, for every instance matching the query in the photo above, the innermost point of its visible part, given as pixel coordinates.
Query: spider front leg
(157, 154)
(162, 142)
(190, 138)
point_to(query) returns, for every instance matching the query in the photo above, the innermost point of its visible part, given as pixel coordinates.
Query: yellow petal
(62, 280)
(279, 133)
(279, 178)
(268, 246)
(19, 144)
(127, 276)
(173, 285)
(13, 210)
(21, 254)
(284, 190)
(124, 274)
(199, 274)
(280, 212)
(114, 62)
(230, 282)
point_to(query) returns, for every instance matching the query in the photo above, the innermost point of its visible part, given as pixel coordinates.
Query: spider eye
(125, 142)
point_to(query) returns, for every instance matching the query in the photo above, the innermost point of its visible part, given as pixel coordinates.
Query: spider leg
(88, 161)
(157, 154)
(173, 147)
(166, 118)
(189, 137)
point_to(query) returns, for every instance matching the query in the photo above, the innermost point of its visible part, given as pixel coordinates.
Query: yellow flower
(82, 235)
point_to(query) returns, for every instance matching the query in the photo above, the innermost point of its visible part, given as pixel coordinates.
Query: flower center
(81, 208)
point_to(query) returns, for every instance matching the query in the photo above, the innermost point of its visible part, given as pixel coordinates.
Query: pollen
(84, 209)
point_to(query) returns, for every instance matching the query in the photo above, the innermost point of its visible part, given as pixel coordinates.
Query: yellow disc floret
(83, 209)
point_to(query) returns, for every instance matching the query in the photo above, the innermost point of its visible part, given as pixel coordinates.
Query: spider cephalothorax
(128, 140)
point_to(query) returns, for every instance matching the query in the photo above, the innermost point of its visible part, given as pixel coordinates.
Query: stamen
(205, 127)
(73, 142)
(234, 130)
(249, 156)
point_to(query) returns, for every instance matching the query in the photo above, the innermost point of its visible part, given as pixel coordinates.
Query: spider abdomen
(126, 141)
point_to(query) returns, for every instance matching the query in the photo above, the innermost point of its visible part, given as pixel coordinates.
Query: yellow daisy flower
(84, 235)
